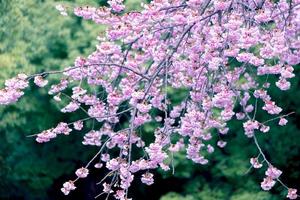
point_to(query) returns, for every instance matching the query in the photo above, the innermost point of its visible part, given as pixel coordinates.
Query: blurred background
(35, 38)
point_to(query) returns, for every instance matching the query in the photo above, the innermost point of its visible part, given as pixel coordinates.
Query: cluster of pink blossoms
(219, 51)
(13, 89)
(272, 175)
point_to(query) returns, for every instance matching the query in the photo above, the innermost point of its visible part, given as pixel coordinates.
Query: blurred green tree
(35, 38)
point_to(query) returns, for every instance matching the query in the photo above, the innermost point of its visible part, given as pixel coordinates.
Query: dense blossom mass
(220, 52)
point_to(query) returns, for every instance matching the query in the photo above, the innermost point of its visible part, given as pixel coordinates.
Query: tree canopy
(34, 39)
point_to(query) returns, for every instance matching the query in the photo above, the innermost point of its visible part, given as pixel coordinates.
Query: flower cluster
(68, 187)
(13, 89)
(220, 53)
(292, 193)
(82, 172)
(255, 163)
(40, 81)
(116, 5)
(272, 174)
(47, 135)
(147, 178)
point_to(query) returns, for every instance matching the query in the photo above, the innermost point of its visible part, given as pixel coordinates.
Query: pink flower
(45, 136)
(221, 143)
(264, 128)
(287, 72)
(77, 93)
(156, 154)
(120, 194)
(85, 12)
(143, 108)
(210, 149)
(97, 111)
(147, 178)
(82, 172)
(71, 107)
(194, 3)
(59, 87)
(98, 165)
(267, 183)
(126, 177)
(141, 119)
(107, 188)
(78, 125)
(292, 193)
(283, 84)
(271, 108)
(273, 172)
(260, 94)
(62, 128)
(249, 108)
(92, 138)
(113, 164)
(224, 131)
(244, 57)
(107, 48)
(221, 5)
(254, 162)
(80, 62)
(13, 90)
(105, 157)
(240, 115)
(164, 167)
(138, 95)
(283, 121)
(40, 81)
(67, 187)
(65, 191)
(264, 16)
(249, 127)
(116, 5)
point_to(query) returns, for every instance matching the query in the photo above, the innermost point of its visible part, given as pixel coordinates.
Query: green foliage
(175, 196)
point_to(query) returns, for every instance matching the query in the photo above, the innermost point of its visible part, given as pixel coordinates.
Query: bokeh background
(35, 38)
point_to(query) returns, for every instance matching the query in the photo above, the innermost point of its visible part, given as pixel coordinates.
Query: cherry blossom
(217, 52)
(147, 178)
(255, 163)
(67, 187)
(282, 121)
(267, 183)
(273, 172)
(71, 107)
(82, 172)
(292, 193)
(13, 89)
(249, 127)
(78, 125)
(40, 81)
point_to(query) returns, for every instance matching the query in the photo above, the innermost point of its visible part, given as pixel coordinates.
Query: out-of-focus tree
(35, 38)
